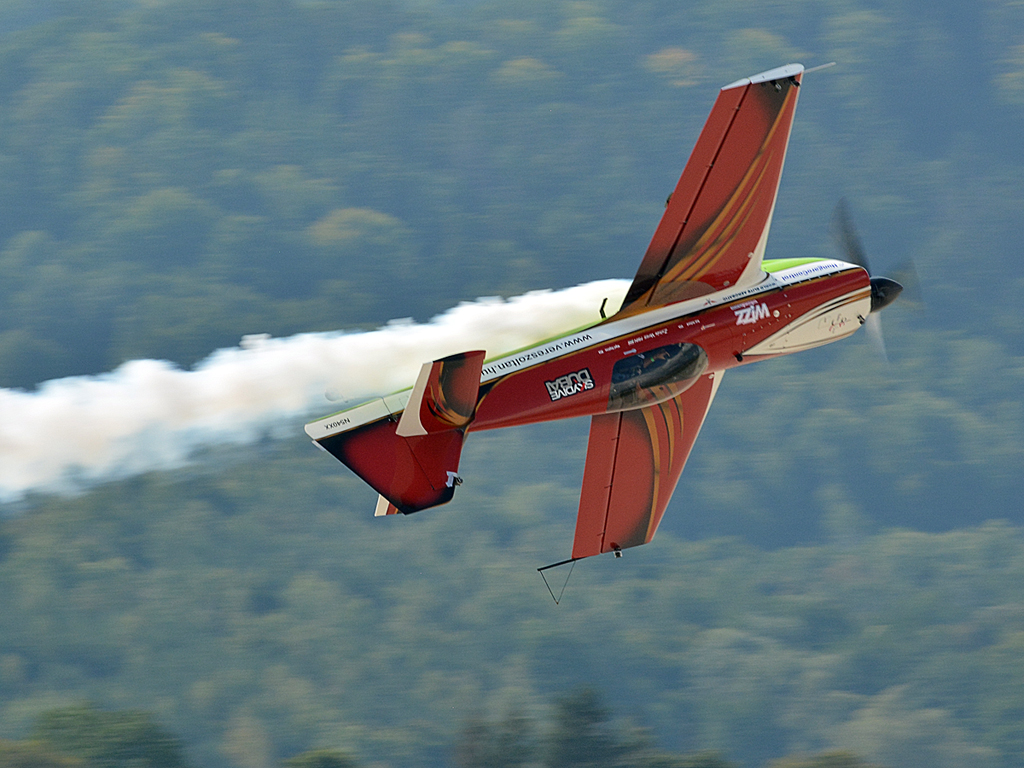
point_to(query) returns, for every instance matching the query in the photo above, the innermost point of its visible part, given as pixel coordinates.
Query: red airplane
(703, 301)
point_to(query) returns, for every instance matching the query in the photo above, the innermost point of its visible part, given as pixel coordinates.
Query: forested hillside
(840, 569)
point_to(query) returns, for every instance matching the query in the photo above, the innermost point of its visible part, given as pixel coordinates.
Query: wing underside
(713, 232)
(634, 459)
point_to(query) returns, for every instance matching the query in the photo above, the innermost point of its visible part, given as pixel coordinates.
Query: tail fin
(413, 462)
(713, 232)
(444, 396)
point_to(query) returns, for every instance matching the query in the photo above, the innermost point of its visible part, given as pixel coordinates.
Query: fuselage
(614, 365)
(800, 304)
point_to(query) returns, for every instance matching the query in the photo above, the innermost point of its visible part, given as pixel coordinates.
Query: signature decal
(834, 323)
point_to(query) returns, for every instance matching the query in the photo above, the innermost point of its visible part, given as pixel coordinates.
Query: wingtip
(779, 73)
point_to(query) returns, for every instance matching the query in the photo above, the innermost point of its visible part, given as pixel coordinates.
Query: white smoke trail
(71, 433)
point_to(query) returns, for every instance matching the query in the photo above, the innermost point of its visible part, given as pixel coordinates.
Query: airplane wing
(634, 459)
(715, 226)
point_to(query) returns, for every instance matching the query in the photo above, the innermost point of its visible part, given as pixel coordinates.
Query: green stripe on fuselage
(768, 265)
(777, 265)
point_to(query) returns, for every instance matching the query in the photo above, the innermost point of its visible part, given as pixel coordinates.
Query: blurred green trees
(581, 735)
(109, 739)
(320, 758)
(29, 754)
(260, 611)
(827, 760)
(509, 743)
(205, 151)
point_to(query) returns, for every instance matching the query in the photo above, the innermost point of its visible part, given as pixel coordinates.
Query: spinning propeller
(884, 290)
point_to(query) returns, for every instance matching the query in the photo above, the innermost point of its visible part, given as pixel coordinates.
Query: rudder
(413, 461)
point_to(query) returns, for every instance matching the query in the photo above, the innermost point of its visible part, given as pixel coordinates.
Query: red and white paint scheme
(703, 301)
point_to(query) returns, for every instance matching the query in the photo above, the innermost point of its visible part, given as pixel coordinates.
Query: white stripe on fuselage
(636, 323)
(598, 334)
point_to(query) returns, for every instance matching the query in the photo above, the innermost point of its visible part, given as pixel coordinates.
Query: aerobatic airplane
(703, 301)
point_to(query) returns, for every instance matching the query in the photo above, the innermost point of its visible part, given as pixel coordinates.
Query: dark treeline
(582, 736)
(260, 611)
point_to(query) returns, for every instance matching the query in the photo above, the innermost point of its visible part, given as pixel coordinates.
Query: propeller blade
(873, 328)
(883, 289)
(906, 275)
(845, 235)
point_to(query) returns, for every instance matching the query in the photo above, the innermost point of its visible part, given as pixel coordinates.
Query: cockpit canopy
(655, 375)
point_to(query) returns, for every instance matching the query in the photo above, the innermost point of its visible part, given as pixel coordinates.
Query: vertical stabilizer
(412, 461)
